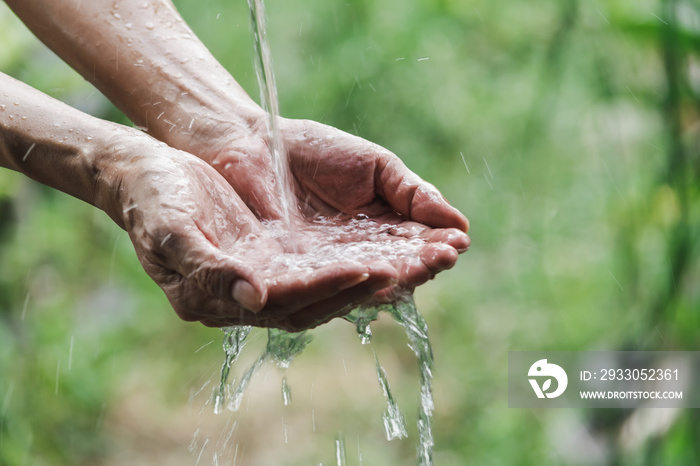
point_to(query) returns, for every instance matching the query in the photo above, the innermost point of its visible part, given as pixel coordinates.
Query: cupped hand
(337, 175)
(213, 258)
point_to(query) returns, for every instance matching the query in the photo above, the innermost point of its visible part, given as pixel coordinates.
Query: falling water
(394, 421)
(286, 392)
(270, 103)
(282, 346)
(340, 457)
(234, 340)
(406, 314)
(362, 316)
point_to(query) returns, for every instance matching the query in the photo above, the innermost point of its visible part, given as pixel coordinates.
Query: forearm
(146, 60)
(59, 146)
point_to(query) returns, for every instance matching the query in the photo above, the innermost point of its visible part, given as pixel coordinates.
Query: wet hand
(212, 257)
(338, 176)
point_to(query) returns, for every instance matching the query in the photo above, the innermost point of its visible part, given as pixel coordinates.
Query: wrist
(202, 115)
(52, 143)
(116, 156)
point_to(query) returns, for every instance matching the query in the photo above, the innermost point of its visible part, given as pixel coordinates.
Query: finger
(293, 291)
(415, 198)
(382, 276)
(434, 258)
(450, 236)
(193, 304)
(413, 272)
(437, 257)
(390, 294)
(213, 271)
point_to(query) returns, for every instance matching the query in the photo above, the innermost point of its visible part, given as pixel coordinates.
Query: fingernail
(457, 239)
(354, 281)
(463, 246)
(247, 296)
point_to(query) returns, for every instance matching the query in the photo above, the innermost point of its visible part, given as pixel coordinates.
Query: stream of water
(282, 347)
(406, 313)
(335, 242)
(270, 103)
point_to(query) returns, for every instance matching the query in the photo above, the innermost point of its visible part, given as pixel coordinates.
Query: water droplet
(286, 392)
(394, 421)
(149, 25)
(2, 108)
(26, 154)
(116, 15)
(17, 103)
(340, 457)
(24, 117)
(89, 138)
(129, 25)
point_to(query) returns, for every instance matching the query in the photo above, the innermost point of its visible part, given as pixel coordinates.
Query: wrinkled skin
(197, 240)
(339, 175)
(179, 92)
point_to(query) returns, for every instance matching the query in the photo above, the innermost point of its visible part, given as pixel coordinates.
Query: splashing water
(282, 348)
(234, 340)
(362, 316)
(394, 421)
(404, 311)
(328, 241)
(407, 315)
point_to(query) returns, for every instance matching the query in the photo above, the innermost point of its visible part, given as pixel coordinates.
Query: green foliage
(567, 131)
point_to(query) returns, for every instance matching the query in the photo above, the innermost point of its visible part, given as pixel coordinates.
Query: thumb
(214, 271)
(414, 198)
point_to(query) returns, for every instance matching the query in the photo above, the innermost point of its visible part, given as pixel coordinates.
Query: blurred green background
(568, 132)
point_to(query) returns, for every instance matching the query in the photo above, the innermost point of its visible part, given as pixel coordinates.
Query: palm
(337, 175)
(197, 239)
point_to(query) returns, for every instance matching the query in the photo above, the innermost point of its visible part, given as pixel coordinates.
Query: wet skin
(189, 239)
